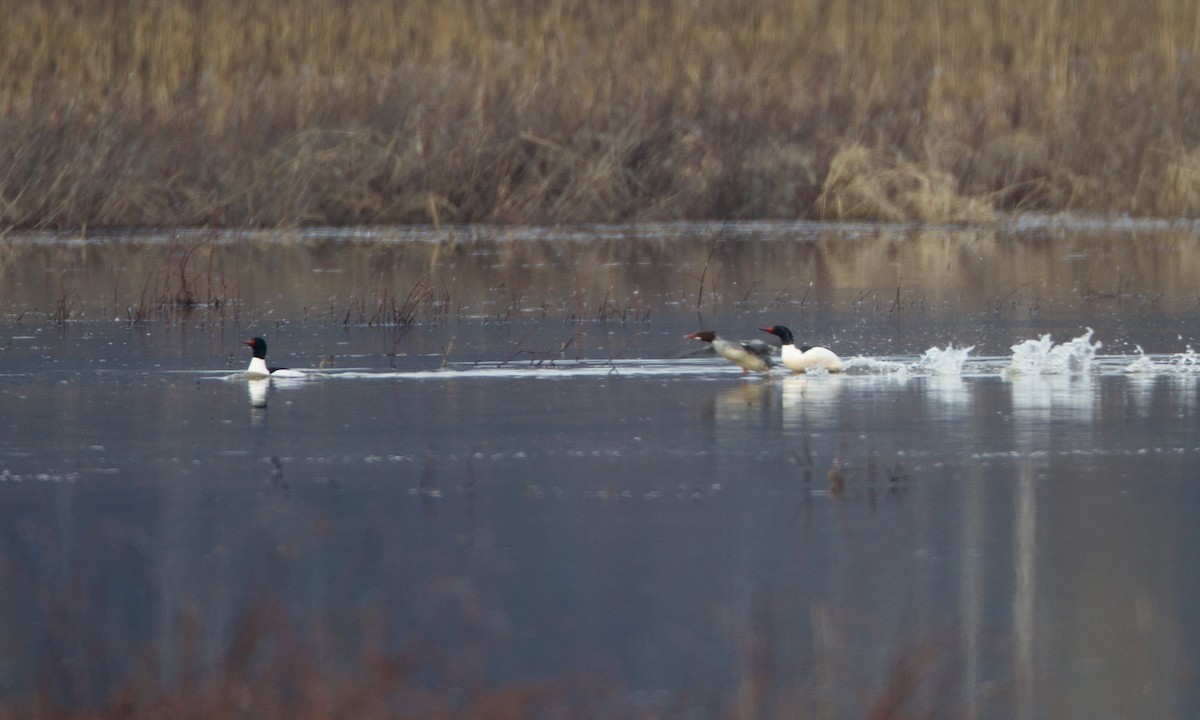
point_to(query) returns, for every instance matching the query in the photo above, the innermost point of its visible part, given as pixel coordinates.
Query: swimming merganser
(258, 364)
(751, 355)
(805, 358)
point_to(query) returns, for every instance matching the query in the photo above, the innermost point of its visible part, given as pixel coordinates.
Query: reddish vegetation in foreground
(271, 671)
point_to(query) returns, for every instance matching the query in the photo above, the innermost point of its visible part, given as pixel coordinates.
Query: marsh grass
(633, 310)
(325, 112)
(425, 303)
(181, 286)
(62, 309)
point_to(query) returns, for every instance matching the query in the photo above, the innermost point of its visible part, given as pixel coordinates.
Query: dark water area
(533, 496)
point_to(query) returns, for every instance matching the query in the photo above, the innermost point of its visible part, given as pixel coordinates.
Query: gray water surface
(519, 502)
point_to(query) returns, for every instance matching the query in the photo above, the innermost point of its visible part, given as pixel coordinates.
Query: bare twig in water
(516, 351)
(704, 273)
(610, 310)
(778, 299)
(541, 357)
(578, 332)
(998, 305)
(621, 350)
(749, 291)
(895, 303)
(63, 306)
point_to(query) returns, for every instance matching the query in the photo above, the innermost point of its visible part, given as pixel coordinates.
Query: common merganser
(258, 364)
(805, 358)
(750, 355)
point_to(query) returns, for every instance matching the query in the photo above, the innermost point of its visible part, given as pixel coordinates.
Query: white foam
(948, 362)
(555, 370)
(1185, 362)
(1044, 357)
(875, 366)
(1142, 365)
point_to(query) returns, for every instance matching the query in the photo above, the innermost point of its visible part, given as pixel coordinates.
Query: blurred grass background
(231, 113)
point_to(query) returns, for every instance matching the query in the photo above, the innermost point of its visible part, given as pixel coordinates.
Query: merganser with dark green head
(258, 364)
(803, 359)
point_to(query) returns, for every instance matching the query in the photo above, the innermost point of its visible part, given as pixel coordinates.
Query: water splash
(1142, 364)
(934, 361)
(1044, 357)
(1183, 363)
(948, 362)
(875, 366)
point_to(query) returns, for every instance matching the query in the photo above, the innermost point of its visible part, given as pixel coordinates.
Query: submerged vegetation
(227, 113)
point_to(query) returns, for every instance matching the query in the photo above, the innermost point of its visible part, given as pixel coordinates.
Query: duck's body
(750, 356)
(803, 359)
(258, 364)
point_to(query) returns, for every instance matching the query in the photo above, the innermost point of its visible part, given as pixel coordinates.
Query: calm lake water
(505, 483)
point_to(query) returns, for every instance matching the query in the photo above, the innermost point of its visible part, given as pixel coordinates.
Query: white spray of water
(1043, 357)
(875, 366)
(1142, 364)
(948, 362)
(1185, 362)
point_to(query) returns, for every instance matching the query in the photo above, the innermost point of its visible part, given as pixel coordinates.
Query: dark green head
(785, 335)
(258, 345)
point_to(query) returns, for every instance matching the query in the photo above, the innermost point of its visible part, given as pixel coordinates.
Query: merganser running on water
(805, 358)
(751, 355)
(258, 364)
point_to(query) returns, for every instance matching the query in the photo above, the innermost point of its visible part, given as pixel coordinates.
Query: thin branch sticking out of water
(704, 273)
(543, 358)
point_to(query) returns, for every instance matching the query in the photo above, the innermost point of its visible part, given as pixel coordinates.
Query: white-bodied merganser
(805, 358)
(258, 364)
(750, 355)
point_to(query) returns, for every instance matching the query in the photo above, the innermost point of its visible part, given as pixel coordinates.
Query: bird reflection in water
(257, 390)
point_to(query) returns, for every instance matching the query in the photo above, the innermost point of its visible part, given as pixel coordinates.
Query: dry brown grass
(220, 112)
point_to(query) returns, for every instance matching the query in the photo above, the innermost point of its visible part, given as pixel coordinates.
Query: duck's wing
(762, 349)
